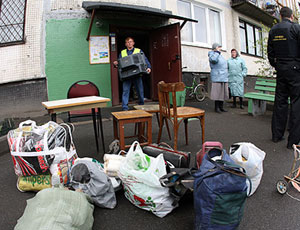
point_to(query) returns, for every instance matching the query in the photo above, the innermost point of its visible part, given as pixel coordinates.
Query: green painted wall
(67, 57)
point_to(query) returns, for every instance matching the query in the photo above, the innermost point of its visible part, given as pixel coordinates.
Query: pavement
(265, 209)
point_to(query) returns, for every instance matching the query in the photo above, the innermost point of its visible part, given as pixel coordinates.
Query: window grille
(12, 22)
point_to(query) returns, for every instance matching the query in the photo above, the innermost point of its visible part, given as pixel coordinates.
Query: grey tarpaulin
(88, 176)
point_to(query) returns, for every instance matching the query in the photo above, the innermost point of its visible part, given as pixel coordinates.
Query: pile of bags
(154, 178)
(45, 156)
(42, 155)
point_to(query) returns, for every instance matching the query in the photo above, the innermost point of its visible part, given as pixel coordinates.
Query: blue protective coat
(237, 71)
(218, 66)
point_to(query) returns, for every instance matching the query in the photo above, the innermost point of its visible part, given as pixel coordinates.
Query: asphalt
(266, 209)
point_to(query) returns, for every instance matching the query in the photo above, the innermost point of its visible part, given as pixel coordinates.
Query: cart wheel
(281, 186)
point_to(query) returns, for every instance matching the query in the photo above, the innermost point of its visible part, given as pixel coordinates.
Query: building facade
(53, 49)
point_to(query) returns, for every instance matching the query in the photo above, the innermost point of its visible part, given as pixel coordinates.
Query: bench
(257, 101)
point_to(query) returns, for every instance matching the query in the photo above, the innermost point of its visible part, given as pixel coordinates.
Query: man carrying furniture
(137, 81)
(284, 55)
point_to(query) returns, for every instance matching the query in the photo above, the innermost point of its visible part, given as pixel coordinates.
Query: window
(251, 39)
(12, 22)
(207, 30)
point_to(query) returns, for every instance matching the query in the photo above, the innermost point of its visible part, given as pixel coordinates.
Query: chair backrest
(165, 101)
(83, 88)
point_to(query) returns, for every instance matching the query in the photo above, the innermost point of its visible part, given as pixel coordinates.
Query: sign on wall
(99, 49)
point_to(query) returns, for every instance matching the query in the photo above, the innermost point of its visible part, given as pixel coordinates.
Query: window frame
(207, 8)
(23, 40)
(254, 35)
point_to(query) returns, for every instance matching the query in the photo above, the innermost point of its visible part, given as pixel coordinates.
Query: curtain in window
(184, 9)
(215, 27)
(259, 41)
(250, 38)
(200, 27)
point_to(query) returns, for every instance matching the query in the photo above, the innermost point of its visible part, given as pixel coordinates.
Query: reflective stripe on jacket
(124, 52)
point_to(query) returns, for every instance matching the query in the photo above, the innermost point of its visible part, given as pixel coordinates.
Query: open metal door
(165, 49)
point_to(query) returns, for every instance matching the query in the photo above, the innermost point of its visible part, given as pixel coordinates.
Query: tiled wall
(23, 62)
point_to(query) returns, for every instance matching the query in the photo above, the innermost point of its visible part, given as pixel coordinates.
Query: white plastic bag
(33, 147)
(64, 159)
(140, 176)
(251, 159)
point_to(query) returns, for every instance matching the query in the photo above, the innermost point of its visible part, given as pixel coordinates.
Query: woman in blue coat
(219, 77)
(237, 71)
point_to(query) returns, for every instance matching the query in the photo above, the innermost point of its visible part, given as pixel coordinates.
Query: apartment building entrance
(160, 45)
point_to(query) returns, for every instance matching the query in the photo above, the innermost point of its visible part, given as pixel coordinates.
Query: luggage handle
(165, 145)
(27, 123)
(230, 168)
(171, 150)
(177, 174)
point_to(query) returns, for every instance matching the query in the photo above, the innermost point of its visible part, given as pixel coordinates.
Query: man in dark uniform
(284, 55)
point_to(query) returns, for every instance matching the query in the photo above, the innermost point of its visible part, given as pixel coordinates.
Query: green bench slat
(265, 83)
(266, 79)
(260, 96)
(264, 88)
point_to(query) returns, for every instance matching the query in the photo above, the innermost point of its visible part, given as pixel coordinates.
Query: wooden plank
(131, 114)
(260, 96)
(266, 79)
(78, 107)
(265, 83)
(263, 88)
(151, 108)
(74, 102)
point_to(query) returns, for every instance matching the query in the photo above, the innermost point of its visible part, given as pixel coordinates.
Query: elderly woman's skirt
(219, 91)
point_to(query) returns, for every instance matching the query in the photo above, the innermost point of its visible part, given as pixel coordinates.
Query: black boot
(221, 103)
(241, 103)
(217, 107)
(234, 102)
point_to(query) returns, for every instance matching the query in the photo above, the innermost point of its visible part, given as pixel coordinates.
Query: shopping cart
(294, 176)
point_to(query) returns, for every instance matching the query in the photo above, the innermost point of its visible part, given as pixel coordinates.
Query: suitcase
(205, 148)
(178, 159)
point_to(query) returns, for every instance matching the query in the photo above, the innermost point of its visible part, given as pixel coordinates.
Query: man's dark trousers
(288, 85)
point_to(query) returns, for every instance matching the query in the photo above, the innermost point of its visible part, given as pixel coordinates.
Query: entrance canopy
(117, 8)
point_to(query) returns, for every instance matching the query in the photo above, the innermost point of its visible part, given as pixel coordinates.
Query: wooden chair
(176, 114)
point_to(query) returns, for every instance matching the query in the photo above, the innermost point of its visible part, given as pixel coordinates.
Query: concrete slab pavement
(266, 209)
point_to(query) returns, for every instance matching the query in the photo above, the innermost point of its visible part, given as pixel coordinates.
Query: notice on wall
(99, 49)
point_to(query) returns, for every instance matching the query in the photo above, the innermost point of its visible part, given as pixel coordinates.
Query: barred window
(12, 22)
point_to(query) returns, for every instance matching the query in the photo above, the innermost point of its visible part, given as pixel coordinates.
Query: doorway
(161, 46)
(141, 38)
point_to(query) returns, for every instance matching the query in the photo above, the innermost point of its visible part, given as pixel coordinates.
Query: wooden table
(132, 116)
(80, 103)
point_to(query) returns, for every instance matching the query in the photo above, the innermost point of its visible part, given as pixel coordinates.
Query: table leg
(53, 117)
(149, 131)
(115, 123)
(140, 131)
(101, 128)
(202, 121)
(95, 128)
(122, 136)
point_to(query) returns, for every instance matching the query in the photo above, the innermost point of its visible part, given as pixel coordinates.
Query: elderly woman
(219, 77)
(237, 71)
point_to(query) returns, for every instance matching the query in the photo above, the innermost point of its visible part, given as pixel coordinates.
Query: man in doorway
(137, 81)
(284, 55)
